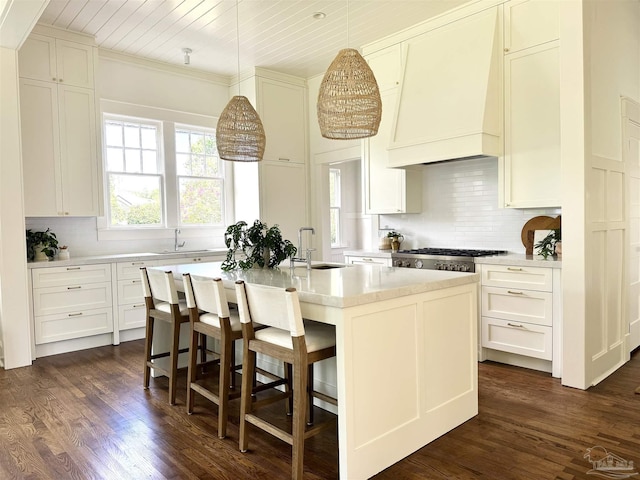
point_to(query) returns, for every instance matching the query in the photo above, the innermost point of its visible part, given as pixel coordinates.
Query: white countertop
(521, 260)
(127, 257)
(339, 287)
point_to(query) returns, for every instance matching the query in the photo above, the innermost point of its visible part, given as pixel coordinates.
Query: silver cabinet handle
(138, 306)
(512, 292)
(73, 268)
(75, 314)
(514, 269)
(514, 325)
(137, 263)
(74, 288)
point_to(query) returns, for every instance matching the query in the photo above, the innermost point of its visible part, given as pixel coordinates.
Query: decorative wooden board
(537, 223)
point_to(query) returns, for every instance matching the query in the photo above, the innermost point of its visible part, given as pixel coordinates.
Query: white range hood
(449, 106)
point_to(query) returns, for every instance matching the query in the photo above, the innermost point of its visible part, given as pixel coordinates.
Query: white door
(631, 155)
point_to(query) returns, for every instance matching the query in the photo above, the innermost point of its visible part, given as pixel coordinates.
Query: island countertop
(336, 287)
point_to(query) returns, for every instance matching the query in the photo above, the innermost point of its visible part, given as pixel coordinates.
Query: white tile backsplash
(460, 210)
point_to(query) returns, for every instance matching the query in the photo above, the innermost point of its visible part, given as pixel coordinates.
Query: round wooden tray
(537, 223)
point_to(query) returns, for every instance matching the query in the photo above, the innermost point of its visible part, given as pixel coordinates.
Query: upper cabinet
(283, 110)
(531, 164)
(56, 60)
(58, 127)
(388, 190)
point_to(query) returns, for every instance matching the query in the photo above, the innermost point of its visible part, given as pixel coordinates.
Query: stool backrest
(159, 285)
(206, 294)
(272, 306)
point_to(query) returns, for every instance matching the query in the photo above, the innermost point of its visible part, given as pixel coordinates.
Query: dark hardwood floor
(85, 415)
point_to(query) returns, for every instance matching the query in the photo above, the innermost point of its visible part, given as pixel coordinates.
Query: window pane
(115, 159)
(132, 160)
(335, 226)
(182, 141)
(113, 134)
(134, 199)
(201, 201)
(149, 138)
(197, 166)
(210, 145)
(132, 136)
(183, 164)
(149, 161)
(197, 143)
(213, 167)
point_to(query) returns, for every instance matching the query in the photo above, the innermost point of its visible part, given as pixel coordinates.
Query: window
(200, 177)
(134, 172)
(161, 174)
(335, 196)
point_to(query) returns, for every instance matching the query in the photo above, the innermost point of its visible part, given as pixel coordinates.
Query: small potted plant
(41, 246)
(259, 245)
(549, 244)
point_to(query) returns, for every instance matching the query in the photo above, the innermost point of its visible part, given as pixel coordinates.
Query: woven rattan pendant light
(239, 134)
(349, 104)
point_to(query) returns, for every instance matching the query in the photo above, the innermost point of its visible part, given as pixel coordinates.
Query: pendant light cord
(348, 38)
(238, 41)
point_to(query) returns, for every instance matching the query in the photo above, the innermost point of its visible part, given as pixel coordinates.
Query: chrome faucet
(307, 257)
(177, 245)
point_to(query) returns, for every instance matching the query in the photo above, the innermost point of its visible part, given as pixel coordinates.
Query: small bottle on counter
(63, 254)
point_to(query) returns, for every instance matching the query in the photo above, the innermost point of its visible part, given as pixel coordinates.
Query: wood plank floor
(85, 415)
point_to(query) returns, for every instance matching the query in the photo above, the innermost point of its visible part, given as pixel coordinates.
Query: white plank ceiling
(280, 35)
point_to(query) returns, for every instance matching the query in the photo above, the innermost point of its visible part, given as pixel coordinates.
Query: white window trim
(160, 233)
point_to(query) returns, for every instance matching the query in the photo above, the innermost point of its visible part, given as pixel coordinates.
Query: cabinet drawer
(72, 275)
(525, 278)
(517, 337)
(518, 305)
(368, 261)
(71, 299)
(130, 291)
(131, 316)
(131, 270)
(65, 326)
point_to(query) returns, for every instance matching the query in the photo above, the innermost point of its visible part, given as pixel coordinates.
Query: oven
(451, 259)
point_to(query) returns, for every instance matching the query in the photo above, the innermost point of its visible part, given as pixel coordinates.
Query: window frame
(214, 235)
(333, 173)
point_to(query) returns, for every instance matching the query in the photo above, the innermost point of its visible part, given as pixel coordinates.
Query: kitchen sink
(326, 266)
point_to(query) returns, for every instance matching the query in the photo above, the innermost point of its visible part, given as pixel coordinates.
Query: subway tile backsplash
(460, 210)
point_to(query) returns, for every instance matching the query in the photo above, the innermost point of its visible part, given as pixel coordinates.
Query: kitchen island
(406, 351)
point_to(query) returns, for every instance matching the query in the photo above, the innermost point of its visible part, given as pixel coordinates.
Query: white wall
(460, 210)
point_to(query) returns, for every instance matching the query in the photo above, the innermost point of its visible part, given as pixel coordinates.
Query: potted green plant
(41, 246)
(547, 246)
(259, 245)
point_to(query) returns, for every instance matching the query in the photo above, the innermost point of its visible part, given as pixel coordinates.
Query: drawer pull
(514, 325)
(137, 263)
(74, 288)
(514, 269)
(513, 292)
(73, 268)
(367, 259)
(75, 314)
(139, 306)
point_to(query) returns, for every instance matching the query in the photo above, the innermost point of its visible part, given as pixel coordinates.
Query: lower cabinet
(518, 322)
(367, 260)
(71, 302)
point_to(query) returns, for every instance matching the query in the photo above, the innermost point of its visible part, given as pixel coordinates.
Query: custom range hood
(449, 103)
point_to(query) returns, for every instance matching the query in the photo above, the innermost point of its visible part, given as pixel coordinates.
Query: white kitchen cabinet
(282, 107)
(58, 128)
(55, 60)
(518, 309)
(530, 168)
(388, 190)
(367, 260)
(71, 302)
(528, 23)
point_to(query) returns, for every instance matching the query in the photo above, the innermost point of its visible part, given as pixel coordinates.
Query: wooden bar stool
(210, 315)
(162, 302)
(289, 340)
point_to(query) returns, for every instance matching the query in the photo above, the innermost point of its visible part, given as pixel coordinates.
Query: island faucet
(307, 257)
(177, 245)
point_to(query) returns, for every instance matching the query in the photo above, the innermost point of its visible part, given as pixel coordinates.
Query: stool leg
(203, 348)
(147, 351)
(233, 364)
(192, 373)
(225, 381)
(300, 381)
(288, 387)
(173, 360)
(310, 394)
(248, 374)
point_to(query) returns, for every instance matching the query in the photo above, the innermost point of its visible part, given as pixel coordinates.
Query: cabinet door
(71, 299)
(65, 326)
(40, 148)
(528, 23)
(78, 151)
(74, 64)
(283, 112)
(532, 128)
(386, 65)
(283, 190)
(37, 58)
(517, 305)
(521, 338)
(368, 261)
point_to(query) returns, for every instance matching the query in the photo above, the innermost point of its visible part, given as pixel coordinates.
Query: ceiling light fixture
(187, 57)
(349, 104)
(239, 134)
